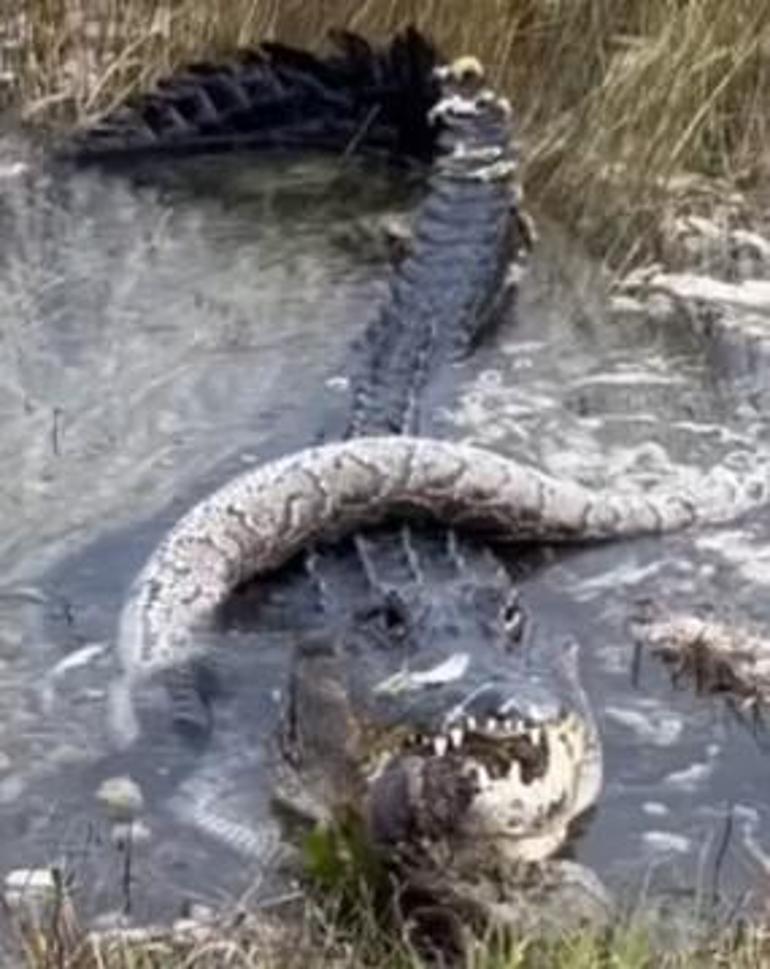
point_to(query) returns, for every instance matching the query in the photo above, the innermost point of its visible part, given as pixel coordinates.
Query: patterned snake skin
(257, 521)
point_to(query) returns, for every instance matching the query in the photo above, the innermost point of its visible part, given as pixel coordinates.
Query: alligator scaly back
(257, 521)
(275, 95)
(461, 276)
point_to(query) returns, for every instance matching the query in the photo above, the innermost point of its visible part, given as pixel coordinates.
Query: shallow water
(156, 336)
(623, 402)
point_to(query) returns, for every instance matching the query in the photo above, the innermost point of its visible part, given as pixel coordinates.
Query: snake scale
(257, 521)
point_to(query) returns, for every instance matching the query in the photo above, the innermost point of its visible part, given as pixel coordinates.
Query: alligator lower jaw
(529, 821)
(516, 790)
(470, 853)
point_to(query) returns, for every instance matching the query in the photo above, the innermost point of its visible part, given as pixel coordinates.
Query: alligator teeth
(513, 276)
(514, 773)
(491, 724)
(535, 735)
(483, 778)
(470, 723)
(440, 745)
(508, 725)
(456, 735)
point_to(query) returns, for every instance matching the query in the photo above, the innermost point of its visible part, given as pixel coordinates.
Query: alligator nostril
(513, 620)
(391, 615)
(393, 618)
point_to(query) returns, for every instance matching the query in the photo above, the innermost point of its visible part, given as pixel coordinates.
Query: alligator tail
(357, 97)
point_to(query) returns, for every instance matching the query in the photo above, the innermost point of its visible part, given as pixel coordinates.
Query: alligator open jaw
(498, 775)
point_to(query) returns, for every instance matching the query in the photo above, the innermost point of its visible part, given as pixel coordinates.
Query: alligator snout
(499, 777)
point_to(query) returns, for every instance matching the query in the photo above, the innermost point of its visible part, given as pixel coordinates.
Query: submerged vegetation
(614, 97)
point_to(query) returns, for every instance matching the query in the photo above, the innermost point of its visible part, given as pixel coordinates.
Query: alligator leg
(192, 687)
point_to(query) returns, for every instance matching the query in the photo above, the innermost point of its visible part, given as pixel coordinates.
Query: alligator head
(513, 762)
(456, 736)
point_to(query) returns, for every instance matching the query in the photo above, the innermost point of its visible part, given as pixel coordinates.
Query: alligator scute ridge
(275, 95)
(242, 530)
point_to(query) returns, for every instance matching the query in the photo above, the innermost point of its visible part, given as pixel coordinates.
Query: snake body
(257, 521)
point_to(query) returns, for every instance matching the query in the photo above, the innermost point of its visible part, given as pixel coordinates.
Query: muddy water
(156, 335)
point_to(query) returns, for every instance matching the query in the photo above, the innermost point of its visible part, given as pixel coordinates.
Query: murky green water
(156, 336)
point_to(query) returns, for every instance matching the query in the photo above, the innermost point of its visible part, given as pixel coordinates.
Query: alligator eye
(390, 615)
(393, 617)
(513, 620)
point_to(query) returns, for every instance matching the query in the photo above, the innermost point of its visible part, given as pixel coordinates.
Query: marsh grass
(344, 919)
(318, 941)
(613, 96)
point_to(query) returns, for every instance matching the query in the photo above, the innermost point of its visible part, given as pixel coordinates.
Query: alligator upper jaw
(515, 784)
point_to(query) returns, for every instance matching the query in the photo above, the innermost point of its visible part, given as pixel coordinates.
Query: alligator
(426, 711)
